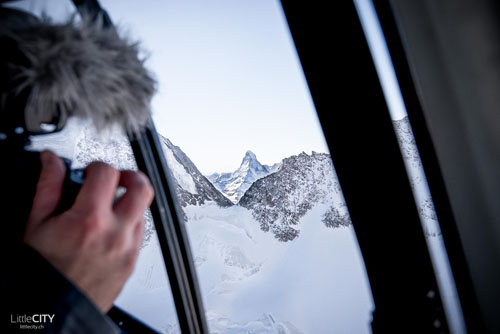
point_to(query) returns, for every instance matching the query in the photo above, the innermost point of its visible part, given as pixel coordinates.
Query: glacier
(251, 283)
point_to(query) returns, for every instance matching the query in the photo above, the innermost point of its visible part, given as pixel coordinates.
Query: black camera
(19, 173)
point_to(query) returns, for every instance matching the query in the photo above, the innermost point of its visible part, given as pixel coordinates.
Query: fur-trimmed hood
(76, 69)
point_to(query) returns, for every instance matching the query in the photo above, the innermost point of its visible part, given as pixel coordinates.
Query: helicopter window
(269, 230)
(270, 233)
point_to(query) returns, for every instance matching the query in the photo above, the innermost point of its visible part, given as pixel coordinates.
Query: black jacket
(37, 298)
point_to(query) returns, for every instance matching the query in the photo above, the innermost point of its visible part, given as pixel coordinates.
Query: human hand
(96, 242)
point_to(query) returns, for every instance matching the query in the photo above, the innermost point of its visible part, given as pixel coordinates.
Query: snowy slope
(251, 283)
(80, 143)
(147, 294)
(233, 185)
(62, 143)
(279, 200)
(193, 188)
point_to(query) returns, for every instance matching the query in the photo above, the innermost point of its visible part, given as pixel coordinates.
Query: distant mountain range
(192, 187)
(278, 195)
(260, 224)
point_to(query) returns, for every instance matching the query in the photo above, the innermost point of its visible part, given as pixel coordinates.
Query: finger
(138, 233)
(136, 199)
(98, 189)
(48, 190)
(137, 237)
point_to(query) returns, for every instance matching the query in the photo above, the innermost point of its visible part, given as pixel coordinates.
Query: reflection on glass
(271, 237)
(420, 188)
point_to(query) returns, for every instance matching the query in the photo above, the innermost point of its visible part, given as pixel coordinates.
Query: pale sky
(229, 79)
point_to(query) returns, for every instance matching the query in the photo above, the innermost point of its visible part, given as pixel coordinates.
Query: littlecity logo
(34, 321)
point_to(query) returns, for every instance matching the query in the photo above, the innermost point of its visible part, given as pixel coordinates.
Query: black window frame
(358, 128)
(444, 213)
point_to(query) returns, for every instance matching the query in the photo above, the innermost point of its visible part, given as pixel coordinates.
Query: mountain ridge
(234, 184)
(198, 189)
(279, 200)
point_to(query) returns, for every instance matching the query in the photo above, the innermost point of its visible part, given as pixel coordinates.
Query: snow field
(252, 283)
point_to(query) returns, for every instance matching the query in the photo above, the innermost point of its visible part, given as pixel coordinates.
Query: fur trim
(84, 71)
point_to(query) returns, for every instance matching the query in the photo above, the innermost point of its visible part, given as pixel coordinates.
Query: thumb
(48, 189)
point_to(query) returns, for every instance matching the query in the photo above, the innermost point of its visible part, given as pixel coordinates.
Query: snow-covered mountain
(80, 143)
(249, 281)
(279, 200)
(233, 185)
(242, 268)
(193, 188)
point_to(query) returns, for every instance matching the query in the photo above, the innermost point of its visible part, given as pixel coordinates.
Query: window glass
(271, 236)
(270, 233)
(147, 294)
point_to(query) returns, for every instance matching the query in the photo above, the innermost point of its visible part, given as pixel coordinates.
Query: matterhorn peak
(233, 185)
(250, 158)
(250, 162)
(250, 154)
